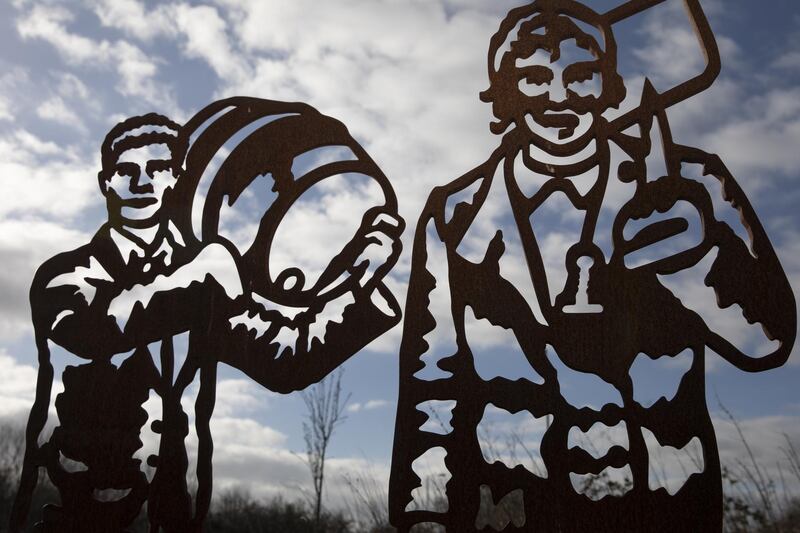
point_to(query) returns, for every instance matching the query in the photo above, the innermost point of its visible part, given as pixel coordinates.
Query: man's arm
(65, 309)
(755, 281)
(289, 348)
(69, 307)
(186, 298)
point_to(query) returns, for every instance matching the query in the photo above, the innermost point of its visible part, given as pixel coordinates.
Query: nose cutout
(137, 186)
(557, 92)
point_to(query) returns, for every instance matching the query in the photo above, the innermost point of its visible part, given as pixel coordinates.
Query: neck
(548, 159)
(145, 235)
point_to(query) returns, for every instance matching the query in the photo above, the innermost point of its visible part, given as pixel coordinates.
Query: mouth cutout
(140, 202)
(560, 128)
(566, 120)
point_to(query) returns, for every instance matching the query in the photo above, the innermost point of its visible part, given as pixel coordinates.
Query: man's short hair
(139, 131)
(561, 20)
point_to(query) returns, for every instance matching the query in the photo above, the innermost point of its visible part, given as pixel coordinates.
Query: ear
(102, 182)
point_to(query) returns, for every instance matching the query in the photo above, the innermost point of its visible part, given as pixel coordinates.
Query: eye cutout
(581, 72)
(130, 170)
(158, 165)
(536, 74)
(524, 49)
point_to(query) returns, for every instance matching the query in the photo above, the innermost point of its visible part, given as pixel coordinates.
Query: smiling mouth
(565, 123)
(139, 202)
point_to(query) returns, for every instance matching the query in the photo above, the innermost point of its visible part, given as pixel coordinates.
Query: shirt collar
(128, 245)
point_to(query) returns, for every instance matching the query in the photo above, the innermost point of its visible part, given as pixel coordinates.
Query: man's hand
(380, 245)
(665, 226)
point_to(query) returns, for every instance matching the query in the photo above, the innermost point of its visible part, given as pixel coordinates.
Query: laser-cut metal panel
(149, 274)
(612, 309)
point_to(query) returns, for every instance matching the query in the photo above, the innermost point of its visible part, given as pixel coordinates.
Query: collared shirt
(129, 245)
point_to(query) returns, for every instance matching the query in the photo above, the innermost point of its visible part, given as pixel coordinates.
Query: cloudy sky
(404, 75)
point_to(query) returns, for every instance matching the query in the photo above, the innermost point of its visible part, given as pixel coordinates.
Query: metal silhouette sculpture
(146, 276)
(556, 143)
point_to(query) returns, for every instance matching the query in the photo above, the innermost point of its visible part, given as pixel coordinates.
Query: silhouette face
(561, 88)
(142, 176)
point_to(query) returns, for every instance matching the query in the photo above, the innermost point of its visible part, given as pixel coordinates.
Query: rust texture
(550, 105)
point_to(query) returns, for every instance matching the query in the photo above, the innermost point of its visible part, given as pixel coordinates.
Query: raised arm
(289, 348)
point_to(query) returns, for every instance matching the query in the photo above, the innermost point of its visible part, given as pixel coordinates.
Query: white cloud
(750, 116)
(41, 177)
(789, 61)
(240, 396)
(5, 109)
(11, 83)
(46, 187)
(672, 54)
(376, 404)
(132, 17)
(759, 137)
(402, 93)
(201, 29)
(56, 109)
(71, 86)
(243, 437)
(369, 405)
(17, 388)
(48, 23)
(206, 37)
(136, 70)
(69, 102)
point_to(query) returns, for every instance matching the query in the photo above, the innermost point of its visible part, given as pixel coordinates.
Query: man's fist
(379, 239)
(665, 226)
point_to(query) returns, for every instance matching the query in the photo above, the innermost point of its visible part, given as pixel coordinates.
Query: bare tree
(325, 413)
(12, 451)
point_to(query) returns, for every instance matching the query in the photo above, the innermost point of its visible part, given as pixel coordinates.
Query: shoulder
(66, 263)
(454, 206)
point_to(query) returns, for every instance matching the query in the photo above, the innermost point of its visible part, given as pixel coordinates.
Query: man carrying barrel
(117, 305)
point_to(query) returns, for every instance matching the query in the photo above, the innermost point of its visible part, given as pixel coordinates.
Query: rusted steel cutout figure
(119, 303)
(594, 310)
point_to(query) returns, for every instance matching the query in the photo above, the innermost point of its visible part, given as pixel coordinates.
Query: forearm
(260, 346)
(183, 298)
(84, 330)
(90, 335)
(762, 290)
(181, 309)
